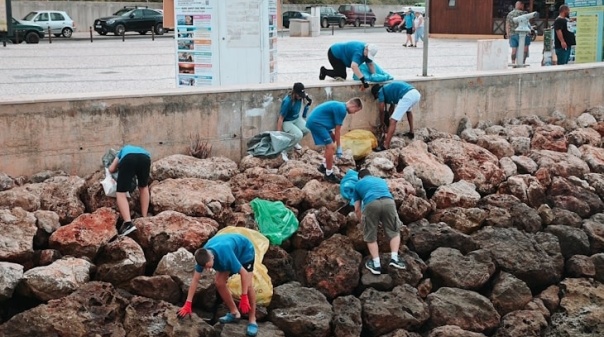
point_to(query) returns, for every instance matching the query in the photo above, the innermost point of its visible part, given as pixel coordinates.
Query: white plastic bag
(109, 184)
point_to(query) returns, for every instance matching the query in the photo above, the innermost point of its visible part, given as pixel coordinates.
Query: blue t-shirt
(392, 92)
(131, 149)
(371, 188)
(230, 252)
(328, 115)
(349, 52)
(409, 17)
(290, 110)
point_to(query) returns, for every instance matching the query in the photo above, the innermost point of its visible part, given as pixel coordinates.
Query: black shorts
(409, 30)
(248, 266)
(134, 164)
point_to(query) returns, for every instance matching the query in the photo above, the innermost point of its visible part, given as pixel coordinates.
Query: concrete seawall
(72, 132)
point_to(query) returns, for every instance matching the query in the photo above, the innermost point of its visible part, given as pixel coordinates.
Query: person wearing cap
(290, 120)
(227, 254)
(326, 117)
(395, 99)
(408, 22)
(350, 54)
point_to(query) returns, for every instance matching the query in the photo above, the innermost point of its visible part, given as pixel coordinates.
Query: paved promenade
(108, 64)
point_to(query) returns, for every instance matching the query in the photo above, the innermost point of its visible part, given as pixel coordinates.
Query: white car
(59, 22)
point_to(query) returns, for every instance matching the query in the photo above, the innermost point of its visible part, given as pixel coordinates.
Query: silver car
(59, 22)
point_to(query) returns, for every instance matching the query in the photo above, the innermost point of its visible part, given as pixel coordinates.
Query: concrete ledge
(71, 132)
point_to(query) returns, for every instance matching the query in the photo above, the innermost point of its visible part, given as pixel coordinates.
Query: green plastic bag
(275, 221)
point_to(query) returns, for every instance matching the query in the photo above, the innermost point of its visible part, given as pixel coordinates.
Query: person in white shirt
(418, 23)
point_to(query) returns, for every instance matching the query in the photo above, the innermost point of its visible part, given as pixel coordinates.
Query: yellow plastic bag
(360, 142)
(263, 287)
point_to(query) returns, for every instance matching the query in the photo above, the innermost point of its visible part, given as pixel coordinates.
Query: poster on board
(196, 53)
(4, 16)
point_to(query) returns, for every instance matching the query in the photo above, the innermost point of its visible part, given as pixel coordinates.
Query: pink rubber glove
(185, 310)
(244, 304)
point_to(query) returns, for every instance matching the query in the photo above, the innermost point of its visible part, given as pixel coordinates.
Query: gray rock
(182, 166)
(525, 323)
(57, 280)
(573, 241)
(509, 293)
(10, 276)
(384, 312)
(347, 321)
(449, 268)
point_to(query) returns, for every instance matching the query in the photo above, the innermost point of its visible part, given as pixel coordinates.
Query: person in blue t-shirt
(290, 120)
(131, 161)
(408, 20)
(227, 254)
(395, 100)
(374, 204)
(326, 117)
(350, 54)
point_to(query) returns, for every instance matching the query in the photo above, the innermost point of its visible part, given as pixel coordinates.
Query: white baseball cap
(371, 51)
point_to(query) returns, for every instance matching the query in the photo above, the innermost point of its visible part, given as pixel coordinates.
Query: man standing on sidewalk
(563, 38)
(514, 37)
(374, 204)
(326, 117)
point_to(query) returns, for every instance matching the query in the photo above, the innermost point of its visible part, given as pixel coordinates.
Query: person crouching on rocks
(401, 96)
(131, 161)
(326, 117)
(227, 254)
(374, 204)
(290, 120)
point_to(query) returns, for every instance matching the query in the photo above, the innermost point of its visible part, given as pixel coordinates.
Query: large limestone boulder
(427, 237)
(17, 231)
(458, 194)
(534, 258)
(559, 163)
(86, 234)
(347, 320)
(57, 280)
(193, 197)
(466, 309)
(549, 137)
(582, 312)
(182, 166)
(180, 266)
(6, 182)
(61, 194)
(10, 276)
(47, 223)
(426, 165)
(169, 230)
(497, 145)
(573, 241)
(147, 317)
(299, 173)
(119, 261)
(269, 186)
(300, 311)
(160, 288)
(526, 188)
(384, 312)
(465, 220)
(319, 193)
(26, 197)
(470, 162)
(333, 267)
(453, 331)
(94, 309)
(450, 268)
(526, 323)
(509, 293)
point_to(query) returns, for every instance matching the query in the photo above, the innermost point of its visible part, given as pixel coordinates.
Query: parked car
(28, 33)
(131, 19)
(358, 14)
(59, 22)
(393, 20)
(329, 16)
(293, 15)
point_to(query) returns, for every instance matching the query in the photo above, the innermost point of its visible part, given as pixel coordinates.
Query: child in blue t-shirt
(290, 120)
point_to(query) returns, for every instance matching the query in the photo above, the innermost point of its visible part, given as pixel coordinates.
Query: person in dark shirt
(563, 39)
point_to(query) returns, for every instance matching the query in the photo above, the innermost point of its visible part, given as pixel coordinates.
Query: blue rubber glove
(339, 152)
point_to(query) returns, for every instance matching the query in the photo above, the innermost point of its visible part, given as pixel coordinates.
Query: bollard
(332, 29)
(124, 36)
(90, 34)
(152, 34)
(4, 41)
(16, 36)
(49, 35)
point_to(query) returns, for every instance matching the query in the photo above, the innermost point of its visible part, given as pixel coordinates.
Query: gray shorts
(380, 211)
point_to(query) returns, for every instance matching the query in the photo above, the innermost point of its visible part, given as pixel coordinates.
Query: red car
(393, 19)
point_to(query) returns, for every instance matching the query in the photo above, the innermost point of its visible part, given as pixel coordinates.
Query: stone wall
(71, 132)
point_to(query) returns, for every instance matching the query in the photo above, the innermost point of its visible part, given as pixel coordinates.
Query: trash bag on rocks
(275, 221)
(360, 142)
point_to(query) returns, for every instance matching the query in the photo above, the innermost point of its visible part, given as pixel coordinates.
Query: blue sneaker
(228, 318)
(252, 330)
(372, 268)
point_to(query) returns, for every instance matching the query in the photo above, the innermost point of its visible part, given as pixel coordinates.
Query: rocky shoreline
(504, 237)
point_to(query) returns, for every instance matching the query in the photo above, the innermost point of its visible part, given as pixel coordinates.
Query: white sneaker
(284, 156)
(298, 147)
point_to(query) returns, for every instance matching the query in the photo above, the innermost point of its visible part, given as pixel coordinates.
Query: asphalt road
(109, 65)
